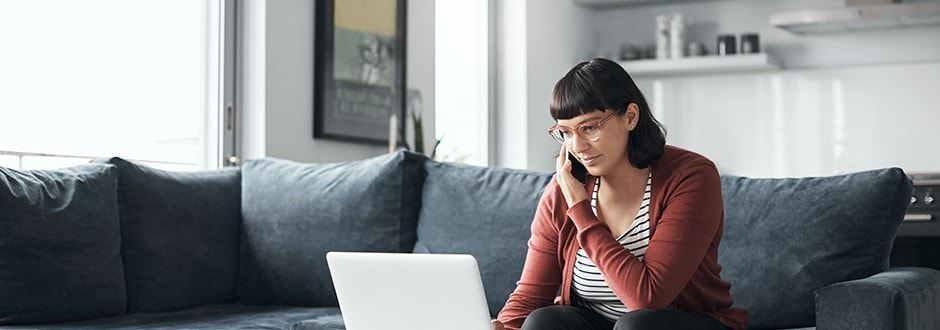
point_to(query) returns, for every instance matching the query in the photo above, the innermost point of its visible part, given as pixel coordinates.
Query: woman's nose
(578, 143)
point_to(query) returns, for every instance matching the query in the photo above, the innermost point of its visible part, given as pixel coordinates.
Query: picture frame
(359, 70)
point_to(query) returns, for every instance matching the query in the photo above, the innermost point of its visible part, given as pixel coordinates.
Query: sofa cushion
(786, 238)
(180, 235)
(215, 317)
(294, 213)
(60, 245)
(485, 212)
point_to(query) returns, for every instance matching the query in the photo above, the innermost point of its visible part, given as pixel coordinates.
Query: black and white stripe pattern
(589, 284)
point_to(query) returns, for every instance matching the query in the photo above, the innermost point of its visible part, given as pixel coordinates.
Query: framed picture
(359, 70)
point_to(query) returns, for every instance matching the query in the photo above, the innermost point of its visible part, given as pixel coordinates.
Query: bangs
(575, 95)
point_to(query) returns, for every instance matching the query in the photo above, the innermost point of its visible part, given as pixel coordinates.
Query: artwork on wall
(359, 70)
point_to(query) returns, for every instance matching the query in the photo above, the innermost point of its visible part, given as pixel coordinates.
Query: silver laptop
(409, 291)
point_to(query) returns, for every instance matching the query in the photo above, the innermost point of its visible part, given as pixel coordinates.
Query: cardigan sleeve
(541, 274)
(691, 213)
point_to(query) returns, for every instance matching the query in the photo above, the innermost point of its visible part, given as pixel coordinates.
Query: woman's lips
(588, 161)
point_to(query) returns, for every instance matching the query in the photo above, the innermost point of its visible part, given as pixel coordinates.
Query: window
(461, 75)
(138, 79)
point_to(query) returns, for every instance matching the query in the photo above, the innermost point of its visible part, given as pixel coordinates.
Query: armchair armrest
(899, 298)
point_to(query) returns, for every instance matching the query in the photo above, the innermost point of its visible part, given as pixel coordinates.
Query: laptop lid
(409, 291)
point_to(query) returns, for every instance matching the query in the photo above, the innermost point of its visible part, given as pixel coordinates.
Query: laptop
(409, 291)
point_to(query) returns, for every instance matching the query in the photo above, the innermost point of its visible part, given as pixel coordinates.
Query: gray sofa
(114, 244)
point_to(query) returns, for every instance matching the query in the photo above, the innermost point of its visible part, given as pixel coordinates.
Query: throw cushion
(180, 235)
(60, 241)
(786, 238)
(294, 213)
(485, 212)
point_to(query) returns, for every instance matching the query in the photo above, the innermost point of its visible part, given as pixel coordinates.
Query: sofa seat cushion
(485, 212)
(221, 316)
(786, 238)
(180, 235)
(294, 213)
(60, 245)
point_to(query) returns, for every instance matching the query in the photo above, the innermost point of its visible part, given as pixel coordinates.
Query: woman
(633, 243)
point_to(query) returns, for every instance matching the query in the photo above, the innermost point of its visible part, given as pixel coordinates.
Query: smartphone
(577, 169)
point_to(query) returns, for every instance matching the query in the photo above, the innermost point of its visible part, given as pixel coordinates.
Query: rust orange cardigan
(680, 269)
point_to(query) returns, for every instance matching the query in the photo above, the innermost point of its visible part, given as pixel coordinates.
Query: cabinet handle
(918, 217)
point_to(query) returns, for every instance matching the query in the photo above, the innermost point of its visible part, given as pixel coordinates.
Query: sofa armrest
(899, 298)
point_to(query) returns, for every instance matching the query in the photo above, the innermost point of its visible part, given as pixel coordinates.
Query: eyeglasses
(590, 130)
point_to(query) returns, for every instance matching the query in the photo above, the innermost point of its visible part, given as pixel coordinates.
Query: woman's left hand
(570, 186)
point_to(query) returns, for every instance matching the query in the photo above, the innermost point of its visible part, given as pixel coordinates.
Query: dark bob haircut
(600, 85)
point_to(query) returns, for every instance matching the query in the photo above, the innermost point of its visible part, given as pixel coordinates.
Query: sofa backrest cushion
(294, 213)
(60, 245)
(483, 211)
(786, 238)
(180, 234)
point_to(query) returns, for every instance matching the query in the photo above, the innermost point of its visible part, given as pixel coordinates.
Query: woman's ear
(633, 115)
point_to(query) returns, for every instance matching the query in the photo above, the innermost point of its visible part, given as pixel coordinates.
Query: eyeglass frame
(577, 129)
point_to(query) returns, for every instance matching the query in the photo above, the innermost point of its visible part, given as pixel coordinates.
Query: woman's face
(610, 149)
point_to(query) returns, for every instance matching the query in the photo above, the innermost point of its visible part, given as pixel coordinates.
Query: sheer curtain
(461, 85)
(138, 79)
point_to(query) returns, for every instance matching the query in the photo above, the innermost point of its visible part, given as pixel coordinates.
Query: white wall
(556, 35)
(843, 102)
(807, 122)
(635, 25)
(276, 84)
(277, 78)
(537, 41)
(420, 64)
(511, 122)
(250, 79)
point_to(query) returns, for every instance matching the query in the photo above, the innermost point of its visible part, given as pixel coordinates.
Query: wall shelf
(700, 65)
(628, 3)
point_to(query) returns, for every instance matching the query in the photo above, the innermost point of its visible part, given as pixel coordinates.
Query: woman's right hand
(572, 188)
(497, 325)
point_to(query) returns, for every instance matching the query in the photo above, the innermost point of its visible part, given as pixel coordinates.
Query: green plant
(419, 137)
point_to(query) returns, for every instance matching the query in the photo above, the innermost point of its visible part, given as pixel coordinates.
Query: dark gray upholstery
(294, 213)
(329, 322)
(899, 298)
(786, 238)
(60, 245)
(210, 317)
(180, 235)
(247, 246)
(486, 212)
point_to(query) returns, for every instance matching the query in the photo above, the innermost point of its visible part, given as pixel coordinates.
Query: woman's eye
(590, 129)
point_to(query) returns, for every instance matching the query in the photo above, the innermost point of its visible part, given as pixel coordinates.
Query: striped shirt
(589, 284)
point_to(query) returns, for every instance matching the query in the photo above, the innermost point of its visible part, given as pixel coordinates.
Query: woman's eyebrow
(583, 121)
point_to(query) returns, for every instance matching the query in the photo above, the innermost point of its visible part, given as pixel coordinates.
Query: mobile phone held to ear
(577, 169)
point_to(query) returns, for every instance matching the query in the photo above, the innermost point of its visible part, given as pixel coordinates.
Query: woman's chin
(593, 171)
